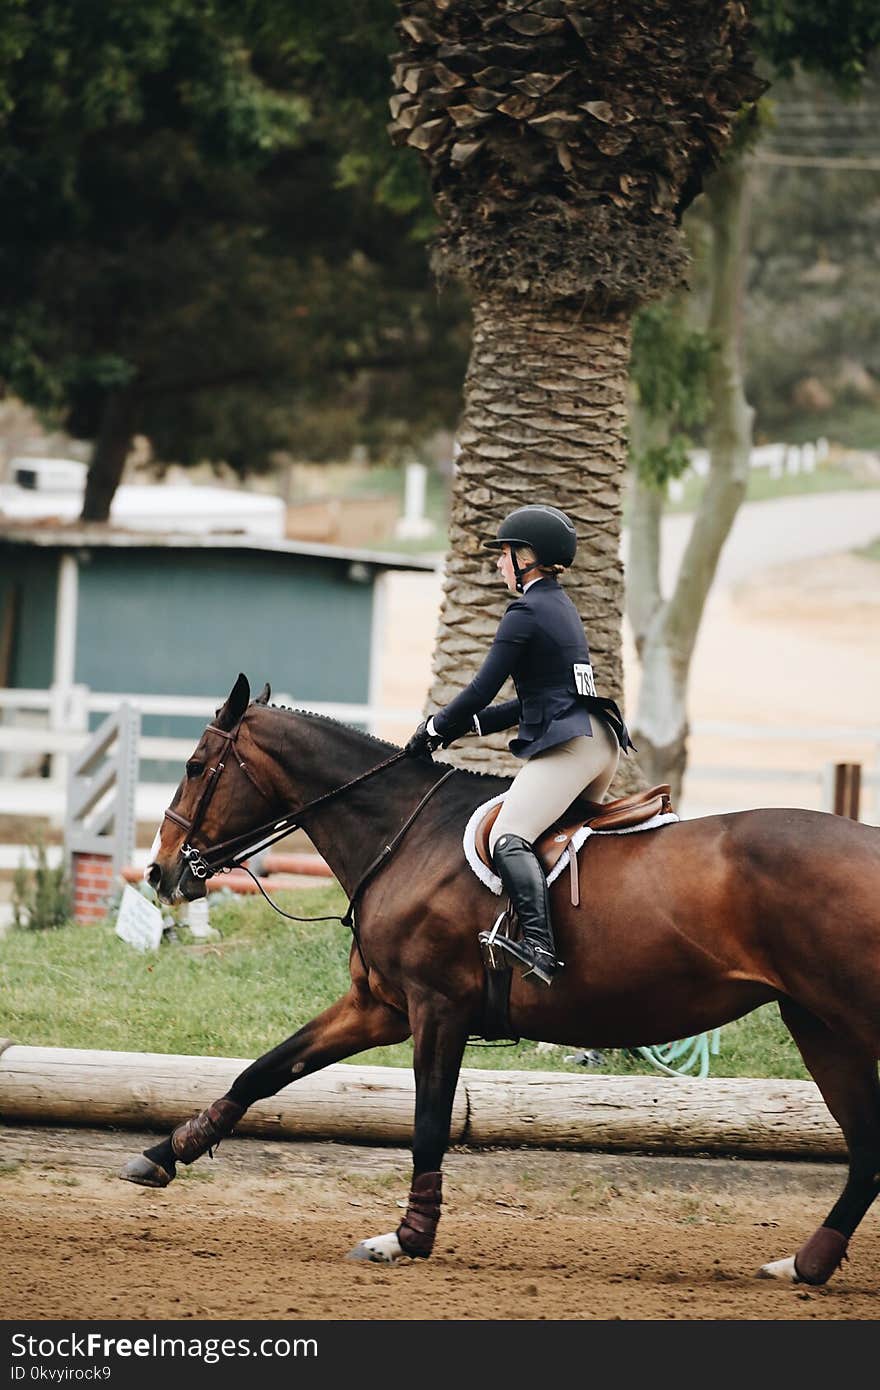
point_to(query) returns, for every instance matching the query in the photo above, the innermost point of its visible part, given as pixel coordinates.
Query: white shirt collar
(526, 587)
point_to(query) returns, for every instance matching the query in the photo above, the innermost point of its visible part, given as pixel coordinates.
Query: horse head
(226, 790)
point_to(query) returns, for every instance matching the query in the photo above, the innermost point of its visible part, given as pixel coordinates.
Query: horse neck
(314, 756)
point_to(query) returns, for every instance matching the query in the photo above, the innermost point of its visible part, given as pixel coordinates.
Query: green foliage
(813, 273)
(42, 897)
(670, 373)
(202, 213)
(832, 36)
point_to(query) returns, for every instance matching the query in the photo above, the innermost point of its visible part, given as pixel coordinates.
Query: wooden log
(663, 1114)
(153, 1090)
(754, 1118)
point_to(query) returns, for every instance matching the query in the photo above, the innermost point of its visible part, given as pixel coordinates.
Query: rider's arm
(514, 631)
(496, 717)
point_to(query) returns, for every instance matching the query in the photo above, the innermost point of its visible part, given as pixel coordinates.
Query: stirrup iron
(488, 944)
(524, 953)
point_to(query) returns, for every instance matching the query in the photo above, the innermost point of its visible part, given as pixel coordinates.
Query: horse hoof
(145, 1172)
(382, 1250)
(780, 1269)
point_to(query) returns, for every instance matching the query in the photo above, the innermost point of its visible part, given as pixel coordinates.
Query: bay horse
(681, 929)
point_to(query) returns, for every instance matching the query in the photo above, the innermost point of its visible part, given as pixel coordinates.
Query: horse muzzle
(184, 880)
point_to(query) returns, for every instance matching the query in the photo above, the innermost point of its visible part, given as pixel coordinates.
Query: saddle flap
(481, 840)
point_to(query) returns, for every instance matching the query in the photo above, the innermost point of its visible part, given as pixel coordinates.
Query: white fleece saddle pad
(580, 837)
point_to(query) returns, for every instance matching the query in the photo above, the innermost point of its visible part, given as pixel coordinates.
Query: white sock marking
(780, 1269)
(384, 1250)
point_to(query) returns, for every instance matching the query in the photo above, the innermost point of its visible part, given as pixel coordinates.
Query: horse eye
(194, 768)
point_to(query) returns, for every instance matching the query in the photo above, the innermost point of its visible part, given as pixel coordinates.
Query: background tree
(665, 629)
(810, 333)
(182, 252)
(563, 142)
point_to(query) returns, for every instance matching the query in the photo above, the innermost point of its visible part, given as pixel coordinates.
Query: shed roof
(85, 537)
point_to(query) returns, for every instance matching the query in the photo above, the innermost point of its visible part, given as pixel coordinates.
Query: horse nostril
(153, 875)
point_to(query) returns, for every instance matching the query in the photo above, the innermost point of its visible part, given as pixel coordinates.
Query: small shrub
(42, 897)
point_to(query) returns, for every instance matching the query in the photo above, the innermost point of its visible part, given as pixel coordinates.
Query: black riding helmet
(547, 530)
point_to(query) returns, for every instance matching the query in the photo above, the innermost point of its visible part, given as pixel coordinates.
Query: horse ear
(237, 702)
(263, 697)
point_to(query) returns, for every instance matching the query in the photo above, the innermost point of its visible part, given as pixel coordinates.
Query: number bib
(583, 678)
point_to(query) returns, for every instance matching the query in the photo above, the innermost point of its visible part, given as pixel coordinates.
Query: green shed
(147, 614)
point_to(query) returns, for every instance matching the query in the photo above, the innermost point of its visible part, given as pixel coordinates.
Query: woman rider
(569, 739)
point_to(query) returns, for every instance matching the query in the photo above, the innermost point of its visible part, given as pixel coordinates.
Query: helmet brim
(508, 540)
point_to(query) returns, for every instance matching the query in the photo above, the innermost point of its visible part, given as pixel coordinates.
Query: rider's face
(505, 568)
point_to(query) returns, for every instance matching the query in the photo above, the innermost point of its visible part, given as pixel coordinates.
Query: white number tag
(583, 678)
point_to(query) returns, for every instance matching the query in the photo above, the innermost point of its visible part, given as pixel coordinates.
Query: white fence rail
(49, 726)
(41, 729)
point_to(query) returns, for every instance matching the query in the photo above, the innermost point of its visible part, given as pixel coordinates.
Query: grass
(83, 987)
(763, 488)
(870, 552)
(384, 481)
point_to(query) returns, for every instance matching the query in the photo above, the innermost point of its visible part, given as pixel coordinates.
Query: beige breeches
(550, 781)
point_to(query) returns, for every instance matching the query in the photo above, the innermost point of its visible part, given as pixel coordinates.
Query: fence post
(847, 789)
(68, 713)
(99, 827)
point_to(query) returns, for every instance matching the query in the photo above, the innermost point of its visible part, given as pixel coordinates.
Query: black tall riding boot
(520, 871)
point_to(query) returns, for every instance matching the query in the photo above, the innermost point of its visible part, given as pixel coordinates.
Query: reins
(228, 854)
(373, 868)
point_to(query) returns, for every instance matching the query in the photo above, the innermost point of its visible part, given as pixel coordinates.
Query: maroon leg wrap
(817, 1260)
(190, 1140)
(417, 1229)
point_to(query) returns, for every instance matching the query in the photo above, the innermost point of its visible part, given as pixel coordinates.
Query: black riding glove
(422, 744)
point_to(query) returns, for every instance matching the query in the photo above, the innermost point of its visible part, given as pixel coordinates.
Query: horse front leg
(354, 1023)
(439, 1039)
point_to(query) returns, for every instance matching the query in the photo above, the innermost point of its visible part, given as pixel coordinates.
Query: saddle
(625, 812)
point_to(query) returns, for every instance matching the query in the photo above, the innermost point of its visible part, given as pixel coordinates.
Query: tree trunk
(666, 632)
(108, 460)
(545, 397)
(643, 597)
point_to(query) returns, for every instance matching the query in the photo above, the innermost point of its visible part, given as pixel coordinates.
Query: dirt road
(795, 646)
(261, 1232)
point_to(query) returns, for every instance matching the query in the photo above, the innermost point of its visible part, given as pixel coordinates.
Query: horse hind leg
(846, 1074)
(354, 1023)
(439, 1038)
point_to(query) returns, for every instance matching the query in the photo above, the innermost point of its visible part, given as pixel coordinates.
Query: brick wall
(93, 882)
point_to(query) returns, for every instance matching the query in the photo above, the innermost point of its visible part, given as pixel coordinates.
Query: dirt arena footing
(261, 1231)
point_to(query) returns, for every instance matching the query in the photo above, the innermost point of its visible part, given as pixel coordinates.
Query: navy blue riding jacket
(541, 644)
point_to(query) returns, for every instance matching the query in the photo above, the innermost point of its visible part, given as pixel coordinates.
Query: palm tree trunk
(108, 460)
(545, 397)
(668, 631)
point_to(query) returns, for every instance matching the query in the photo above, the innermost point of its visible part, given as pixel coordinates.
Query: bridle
(231, 853)
(198, 862)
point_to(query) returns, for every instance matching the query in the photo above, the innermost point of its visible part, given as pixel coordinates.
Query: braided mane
(379, 743)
